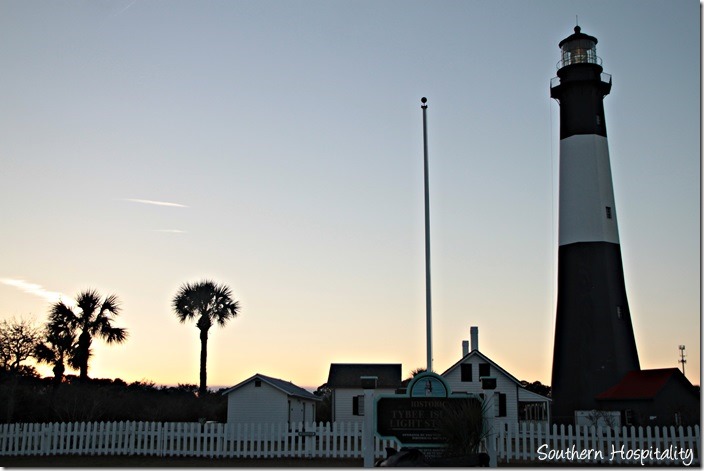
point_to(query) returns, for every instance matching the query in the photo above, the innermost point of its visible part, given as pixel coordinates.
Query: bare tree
(18, 340)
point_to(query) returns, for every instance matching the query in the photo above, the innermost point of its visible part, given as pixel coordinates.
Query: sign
(306, 434)
(429, 385)
(414, 418)
(410, 420)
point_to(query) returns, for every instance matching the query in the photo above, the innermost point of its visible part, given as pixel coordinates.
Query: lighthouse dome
(578, 48)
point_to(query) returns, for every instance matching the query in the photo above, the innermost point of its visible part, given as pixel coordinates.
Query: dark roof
(577, 35)
(285, 386)
(346, 375)
(642, 384)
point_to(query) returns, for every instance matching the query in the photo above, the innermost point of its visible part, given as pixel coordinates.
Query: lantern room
(578, 48)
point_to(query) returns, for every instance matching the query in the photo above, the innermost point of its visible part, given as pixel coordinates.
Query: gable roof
(487, 360)
(346, 375)
(643, 384)
(286, 387)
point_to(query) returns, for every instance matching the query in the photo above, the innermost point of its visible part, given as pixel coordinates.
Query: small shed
(653, 397)
(263, 399)
(347, 393)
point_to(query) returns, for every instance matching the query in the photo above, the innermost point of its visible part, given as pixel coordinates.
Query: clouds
(37, 290)
(162, 204)
(155, 203)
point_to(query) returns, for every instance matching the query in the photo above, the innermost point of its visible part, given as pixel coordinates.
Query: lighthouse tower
(594, 342)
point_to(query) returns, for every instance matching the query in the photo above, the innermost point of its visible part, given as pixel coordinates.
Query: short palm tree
(93, 317)
(58, 346)
(209, 303)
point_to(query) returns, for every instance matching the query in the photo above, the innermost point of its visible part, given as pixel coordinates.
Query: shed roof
(286, 386)
(346, 375)
(642, 384)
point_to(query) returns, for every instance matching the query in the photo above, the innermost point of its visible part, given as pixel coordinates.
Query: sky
(276, 147)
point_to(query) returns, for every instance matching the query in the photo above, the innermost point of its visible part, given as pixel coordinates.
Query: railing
(555, 81)
(338, 440)
(596, 445)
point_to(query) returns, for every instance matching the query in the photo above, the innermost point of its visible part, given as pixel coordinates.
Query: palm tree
(58, 347)
(209, 302)
(93, 318)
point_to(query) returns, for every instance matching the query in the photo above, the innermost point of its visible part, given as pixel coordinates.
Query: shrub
(462, 425)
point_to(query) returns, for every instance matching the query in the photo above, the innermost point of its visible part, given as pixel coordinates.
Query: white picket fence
(212, 440)
(540, 443)
(524, 443)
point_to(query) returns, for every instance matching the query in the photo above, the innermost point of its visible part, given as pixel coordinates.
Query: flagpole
(428, 309)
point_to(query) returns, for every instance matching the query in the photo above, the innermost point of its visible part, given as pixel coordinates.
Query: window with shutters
(358, 405)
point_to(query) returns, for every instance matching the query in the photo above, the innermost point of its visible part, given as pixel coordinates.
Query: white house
(514, 403)
(262, 399)
(347, 393)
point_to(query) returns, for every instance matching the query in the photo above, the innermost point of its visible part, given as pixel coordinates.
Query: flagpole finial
(424, 101)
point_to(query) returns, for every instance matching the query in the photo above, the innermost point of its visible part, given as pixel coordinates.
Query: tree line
(65, 341)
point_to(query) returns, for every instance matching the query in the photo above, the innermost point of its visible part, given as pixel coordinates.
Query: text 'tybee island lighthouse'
(594, 342)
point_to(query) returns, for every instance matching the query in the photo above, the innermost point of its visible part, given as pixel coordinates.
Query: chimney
(474, 335)
(465, 348)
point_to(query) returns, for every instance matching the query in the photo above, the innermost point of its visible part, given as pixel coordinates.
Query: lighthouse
(594, 342)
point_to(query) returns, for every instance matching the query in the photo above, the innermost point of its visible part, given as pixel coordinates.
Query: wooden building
(347, 392)
(653, 397)
(263, 399)
(513, 402)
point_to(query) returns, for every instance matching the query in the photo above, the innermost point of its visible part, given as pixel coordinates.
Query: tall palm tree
(59, 346)
(209, 303)
(92, 317)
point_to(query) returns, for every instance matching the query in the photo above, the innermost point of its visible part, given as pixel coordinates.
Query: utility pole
(682, 360)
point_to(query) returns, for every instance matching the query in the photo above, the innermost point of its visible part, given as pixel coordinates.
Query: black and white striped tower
(594, 342)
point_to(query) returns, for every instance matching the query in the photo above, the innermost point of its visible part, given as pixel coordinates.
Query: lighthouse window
(608, 212)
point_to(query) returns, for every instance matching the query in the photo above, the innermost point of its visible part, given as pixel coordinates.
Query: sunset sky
(276, 147)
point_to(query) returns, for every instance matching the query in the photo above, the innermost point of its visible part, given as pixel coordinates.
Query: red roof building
(653, 397)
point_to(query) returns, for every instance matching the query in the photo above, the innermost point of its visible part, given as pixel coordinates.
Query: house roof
(285, 386)
(346, 375)
(642, 384)
(486, 359)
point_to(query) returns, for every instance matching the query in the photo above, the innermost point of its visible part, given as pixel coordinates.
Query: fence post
(368, 448)
(695, 446)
